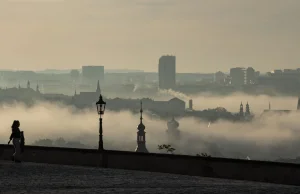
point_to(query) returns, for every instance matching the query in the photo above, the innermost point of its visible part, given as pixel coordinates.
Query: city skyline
(205, 36)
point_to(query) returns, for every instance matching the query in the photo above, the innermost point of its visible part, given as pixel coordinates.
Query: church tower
(241, 109)
(247, 113)
(141, 135)
(98, 90)
(28, 84)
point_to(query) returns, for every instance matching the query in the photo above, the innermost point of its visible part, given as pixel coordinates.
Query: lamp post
(100, 110)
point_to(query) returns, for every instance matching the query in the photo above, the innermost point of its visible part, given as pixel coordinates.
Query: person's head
(16, 124)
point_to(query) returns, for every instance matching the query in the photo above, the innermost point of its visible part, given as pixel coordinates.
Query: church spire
(241, 109)
(141, 112)
(141, 134)
(98, 90)
(37, 88)
(247, 109)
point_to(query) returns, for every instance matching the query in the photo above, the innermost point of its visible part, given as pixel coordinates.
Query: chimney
(191, 104)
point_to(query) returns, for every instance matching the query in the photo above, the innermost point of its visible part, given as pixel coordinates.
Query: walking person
(16, 138)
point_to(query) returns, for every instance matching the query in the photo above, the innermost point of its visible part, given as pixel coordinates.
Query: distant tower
(75, 93)
(19, 86)
(172, 131)
(247, 113)
(241, 109)
(98, 90)
(141, 135)
(28, 84)
(37, 88)
(298, 105)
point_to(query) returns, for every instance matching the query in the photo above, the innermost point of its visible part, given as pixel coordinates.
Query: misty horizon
(275, 136)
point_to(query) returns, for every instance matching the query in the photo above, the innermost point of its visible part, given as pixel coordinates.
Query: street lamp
(100, 110)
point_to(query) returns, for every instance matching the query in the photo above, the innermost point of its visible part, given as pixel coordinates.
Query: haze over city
(92, 91)
(205, 35)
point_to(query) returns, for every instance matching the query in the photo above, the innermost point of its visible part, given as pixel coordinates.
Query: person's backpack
(22, 143)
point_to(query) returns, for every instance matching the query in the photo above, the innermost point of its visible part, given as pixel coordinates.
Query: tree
(166, 147)
(74, 73)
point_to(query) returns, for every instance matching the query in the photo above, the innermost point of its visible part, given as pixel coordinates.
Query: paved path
(45, 178)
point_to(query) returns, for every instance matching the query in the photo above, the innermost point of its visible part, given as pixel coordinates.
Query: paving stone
(36, 178)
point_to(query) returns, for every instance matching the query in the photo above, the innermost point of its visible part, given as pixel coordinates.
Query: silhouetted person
(16, 136)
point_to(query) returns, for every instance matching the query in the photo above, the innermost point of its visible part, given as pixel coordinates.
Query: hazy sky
(205, 35)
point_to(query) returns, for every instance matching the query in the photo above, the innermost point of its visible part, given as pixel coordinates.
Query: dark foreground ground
(45, 178)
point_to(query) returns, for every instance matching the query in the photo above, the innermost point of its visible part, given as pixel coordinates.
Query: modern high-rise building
(238, 76)
(250, 76)
(92, 73)
(167, 72)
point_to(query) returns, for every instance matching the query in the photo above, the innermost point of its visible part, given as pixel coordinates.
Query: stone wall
(281, 173)
(262, 171)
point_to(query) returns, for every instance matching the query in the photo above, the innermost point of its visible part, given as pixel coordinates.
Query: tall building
(93, 73)
(167, 72)
(238, 76)
(250, 76)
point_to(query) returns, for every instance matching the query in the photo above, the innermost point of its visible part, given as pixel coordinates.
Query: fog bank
(266, 139)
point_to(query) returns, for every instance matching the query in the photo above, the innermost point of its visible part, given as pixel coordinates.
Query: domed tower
(172, 124)
(173, 131)
(141, 135)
